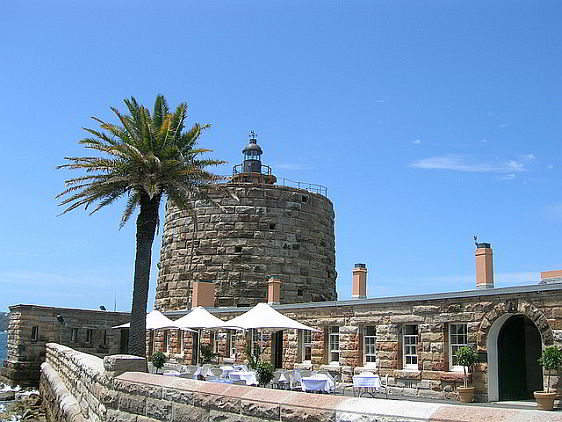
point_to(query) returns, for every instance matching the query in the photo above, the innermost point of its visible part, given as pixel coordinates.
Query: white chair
(296, 380)
(215, 372)
(276, 378)
(384, 385)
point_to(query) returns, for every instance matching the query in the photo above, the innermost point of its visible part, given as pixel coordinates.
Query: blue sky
(428, 121)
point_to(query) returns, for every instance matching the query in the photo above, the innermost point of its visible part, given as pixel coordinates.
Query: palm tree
(147, 157)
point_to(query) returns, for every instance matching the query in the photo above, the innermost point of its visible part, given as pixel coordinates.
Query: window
(74, 335)
(214, 342)
(232, 344)
(167, 341)
(238, 249)
(105, 337)
(255, 340)
(458, 338)
(181, 340)
(34, 333)
(410, 340)
(89, 333)
(334, 345)
(306, 341)
(271, 226)
(369, 345)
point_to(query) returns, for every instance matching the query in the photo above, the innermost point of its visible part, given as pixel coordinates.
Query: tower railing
(311, 187)
(239, 168)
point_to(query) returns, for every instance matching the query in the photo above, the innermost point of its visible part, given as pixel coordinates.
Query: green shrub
(466, 356)
(252, 356)
(551, 360)
(158, 360)
(207, 354)
(265, 373)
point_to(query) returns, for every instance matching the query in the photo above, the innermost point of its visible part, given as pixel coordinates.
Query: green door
(512, 366)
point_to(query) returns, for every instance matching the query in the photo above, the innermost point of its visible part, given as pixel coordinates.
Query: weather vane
(253, 135)
(476, 240)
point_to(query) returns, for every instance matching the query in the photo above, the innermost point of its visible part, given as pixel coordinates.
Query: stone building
(259, 229)
(31, 327)
(412, 339)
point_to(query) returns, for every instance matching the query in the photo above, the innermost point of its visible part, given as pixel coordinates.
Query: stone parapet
(78, 389)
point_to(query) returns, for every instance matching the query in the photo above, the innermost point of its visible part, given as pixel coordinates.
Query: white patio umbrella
(265, 317)
(199, 319)
(155, 320)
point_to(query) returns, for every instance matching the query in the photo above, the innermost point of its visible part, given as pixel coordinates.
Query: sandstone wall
(268, 230)
(26, 354)
(81, 388)
(433, 378)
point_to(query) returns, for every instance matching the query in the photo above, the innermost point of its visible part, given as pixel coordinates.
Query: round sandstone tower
(260, 230)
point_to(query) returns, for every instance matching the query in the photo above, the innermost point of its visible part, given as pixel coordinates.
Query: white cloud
(502, 125)
(550, 167)
(464, 163)
(484, 140)
(515, 165)
(417, 142)
(508, 177)
(528, 157)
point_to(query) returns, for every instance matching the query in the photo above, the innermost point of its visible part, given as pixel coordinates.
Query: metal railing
(239, 168)
(311, 187)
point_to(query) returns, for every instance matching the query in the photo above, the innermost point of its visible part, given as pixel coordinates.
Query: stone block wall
(25, 353)
(268, 230)
(78, 387)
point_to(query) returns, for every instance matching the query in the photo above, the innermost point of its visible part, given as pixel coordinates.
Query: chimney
(359, 282)
(484, 266)
(274, 290)
(548, 277)
(203, 294)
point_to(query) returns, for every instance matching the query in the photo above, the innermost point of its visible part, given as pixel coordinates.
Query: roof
(466, 294)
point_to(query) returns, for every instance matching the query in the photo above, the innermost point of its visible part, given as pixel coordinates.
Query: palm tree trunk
(146, 228)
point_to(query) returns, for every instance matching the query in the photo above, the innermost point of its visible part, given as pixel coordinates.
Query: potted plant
(265, 373)
(551, 360)
(207, 354)
(466, 356)
(158, 360)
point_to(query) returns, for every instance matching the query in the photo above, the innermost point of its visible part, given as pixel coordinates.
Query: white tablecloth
(366, 381)
(318, 382)
(226, 370)
(172, 373)
(249, 377)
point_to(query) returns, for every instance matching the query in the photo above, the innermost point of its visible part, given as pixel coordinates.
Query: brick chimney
(359, 282)
(548, 277)
(274, 290)
(203, 294)
(484, 266)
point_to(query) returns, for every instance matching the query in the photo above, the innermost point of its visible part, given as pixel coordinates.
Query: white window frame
(306, 344)
(232, 335)
(455, 343)
(214, 341)
(370, 346)
(410, 341)
(181, 341)
(254, 339)
(334, 345)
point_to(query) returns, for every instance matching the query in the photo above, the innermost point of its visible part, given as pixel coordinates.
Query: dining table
(248, 376)
(317, 382)
(366, 383)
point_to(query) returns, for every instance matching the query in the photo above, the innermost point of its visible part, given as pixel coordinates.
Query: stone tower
(268, 229)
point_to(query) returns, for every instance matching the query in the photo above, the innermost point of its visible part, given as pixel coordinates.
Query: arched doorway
(518, 348)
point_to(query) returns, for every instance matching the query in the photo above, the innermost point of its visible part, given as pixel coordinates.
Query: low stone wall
(78, 387)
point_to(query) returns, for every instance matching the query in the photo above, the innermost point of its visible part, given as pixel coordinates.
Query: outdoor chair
(276, 378)
(384, 385)
(216, 372)
(305, 373)
(296, 380)
(239, 382)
